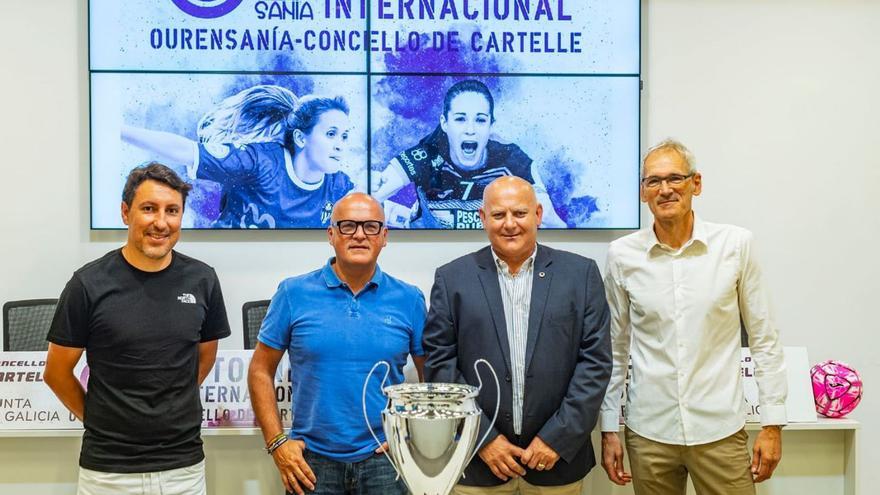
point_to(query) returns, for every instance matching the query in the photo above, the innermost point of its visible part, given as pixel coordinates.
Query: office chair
(252, 314)
(26, 324)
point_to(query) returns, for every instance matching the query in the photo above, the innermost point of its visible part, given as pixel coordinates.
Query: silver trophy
(431, 430)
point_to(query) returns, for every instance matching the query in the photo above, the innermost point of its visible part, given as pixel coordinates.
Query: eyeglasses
(653, 182)
(349, 227)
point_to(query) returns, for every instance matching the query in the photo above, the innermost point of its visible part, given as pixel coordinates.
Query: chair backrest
(252, 314)
(26, 324)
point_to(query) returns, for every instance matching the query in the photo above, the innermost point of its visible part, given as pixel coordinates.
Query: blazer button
(507, 378)
(508, 417)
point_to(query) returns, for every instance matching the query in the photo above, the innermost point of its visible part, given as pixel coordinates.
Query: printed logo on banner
(326, 212)
(225, 395)
(207, 9)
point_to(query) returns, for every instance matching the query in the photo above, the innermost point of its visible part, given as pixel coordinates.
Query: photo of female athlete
(452, 165)
(276, 156)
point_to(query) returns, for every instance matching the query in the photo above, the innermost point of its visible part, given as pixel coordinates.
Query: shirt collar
(697, 236)
(333, 281)
(305, 186)
(502, 265)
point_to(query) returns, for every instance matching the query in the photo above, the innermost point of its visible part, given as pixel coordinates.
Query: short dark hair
(310, 109)
(157, 172)
(468, 86)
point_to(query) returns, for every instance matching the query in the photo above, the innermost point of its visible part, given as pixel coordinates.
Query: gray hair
(670, 144)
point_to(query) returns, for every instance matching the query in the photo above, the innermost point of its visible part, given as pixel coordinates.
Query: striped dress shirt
(516, 295)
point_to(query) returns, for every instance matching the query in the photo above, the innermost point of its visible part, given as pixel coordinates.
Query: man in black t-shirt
(150, 319)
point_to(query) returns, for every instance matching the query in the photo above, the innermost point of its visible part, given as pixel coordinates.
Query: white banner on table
(225, 397)
(25, 401)
(799, 404)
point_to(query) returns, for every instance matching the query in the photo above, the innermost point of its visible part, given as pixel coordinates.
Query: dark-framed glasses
(654, 181)
(349, 227)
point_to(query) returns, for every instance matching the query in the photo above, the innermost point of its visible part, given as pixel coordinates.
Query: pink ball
(837, 388)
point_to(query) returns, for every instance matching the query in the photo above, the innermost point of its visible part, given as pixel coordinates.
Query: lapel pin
(541, 274)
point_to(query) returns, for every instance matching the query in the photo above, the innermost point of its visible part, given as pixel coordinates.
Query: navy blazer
(567, 362)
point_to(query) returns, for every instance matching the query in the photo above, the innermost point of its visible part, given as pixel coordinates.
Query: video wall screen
(274, 110)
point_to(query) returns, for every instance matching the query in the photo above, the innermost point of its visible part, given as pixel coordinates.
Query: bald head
(507, 186)
(357, 250)
(511, 215)
(357, 201)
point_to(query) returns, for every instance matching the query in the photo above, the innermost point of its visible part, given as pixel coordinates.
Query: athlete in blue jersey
(277, 158)
(262, 189)
(451, 166)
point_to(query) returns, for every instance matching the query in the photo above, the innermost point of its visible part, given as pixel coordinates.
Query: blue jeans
(372, 476)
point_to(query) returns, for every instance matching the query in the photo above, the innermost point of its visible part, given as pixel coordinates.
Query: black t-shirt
(141, 332)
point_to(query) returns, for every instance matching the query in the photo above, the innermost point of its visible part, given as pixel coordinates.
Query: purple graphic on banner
(205, 200)
(436, 102)
(208, 195)
(207, 9)
(84, 378)
(561, 173)
(414, 116)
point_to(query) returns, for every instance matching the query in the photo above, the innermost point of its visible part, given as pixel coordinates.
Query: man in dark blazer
(539, 316)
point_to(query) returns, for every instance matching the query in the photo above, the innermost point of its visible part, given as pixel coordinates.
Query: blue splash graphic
(206, 196)
(559, 178)
(413, 116)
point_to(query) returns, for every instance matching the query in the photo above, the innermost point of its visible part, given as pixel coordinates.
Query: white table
(818, 458)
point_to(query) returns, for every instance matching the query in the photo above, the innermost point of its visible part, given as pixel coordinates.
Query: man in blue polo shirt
(336, 323)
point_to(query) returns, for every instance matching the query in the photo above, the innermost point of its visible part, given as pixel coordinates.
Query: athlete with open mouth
(451, 166)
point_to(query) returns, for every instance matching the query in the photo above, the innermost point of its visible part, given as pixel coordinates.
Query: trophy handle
(367, 418)
(497, 404)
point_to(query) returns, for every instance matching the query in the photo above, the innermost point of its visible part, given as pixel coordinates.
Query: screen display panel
(274, 110)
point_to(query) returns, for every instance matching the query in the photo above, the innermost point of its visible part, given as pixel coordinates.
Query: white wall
(776, 98)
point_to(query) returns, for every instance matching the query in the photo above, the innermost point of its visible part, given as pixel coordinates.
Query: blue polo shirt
(333, 338)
